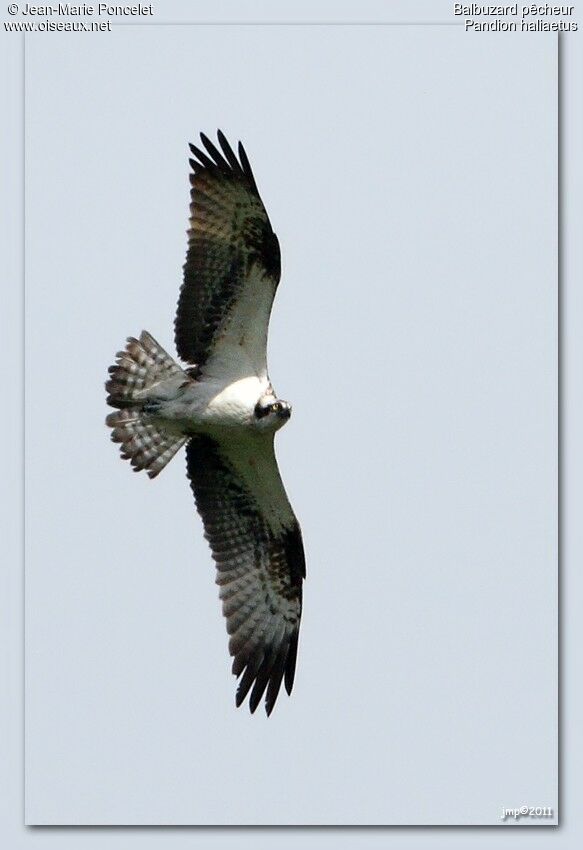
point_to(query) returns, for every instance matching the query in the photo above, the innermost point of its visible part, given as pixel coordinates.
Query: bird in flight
(223, 408)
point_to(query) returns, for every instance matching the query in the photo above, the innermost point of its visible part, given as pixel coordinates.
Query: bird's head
(271, 413)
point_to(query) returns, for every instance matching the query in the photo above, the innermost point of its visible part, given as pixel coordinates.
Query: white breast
(234, 404)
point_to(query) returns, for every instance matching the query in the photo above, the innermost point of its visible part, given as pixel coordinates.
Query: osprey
(222, 406)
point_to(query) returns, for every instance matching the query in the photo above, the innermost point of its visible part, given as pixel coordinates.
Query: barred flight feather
(260, 572)
(230, 234)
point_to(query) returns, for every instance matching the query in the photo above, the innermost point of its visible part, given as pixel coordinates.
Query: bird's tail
(137, 380)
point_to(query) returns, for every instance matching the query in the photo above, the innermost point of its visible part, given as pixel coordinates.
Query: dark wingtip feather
(246, 166)
(253, 665)
(261, 680)
(275, 680)
(229, 153)
(290, 666)
(204, 160)
(265, 677)
(220, 162)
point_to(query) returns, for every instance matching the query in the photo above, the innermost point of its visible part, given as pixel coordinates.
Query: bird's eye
(276, 407)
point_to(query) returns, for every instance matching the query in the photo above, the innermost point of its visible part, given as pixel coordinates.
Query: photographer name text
(86, 10)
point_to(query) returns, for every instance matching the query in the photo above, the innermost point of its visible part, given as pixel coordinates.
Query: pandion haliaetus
(225, 410)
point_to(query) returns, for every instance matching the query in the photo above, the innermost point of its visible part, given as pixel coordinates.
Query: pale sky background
(410, 174)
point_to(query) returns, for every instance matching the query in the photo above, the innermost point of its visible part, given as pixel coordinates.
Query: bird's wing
(257, 547)
(232, 267)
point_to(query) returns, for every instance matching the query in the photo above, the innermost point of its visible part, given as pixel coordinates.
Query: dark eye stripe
(260, 412)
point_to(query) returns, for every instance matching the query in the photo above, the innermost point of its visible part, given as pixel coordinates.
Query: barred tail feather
(138, 371)
(143, 441)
